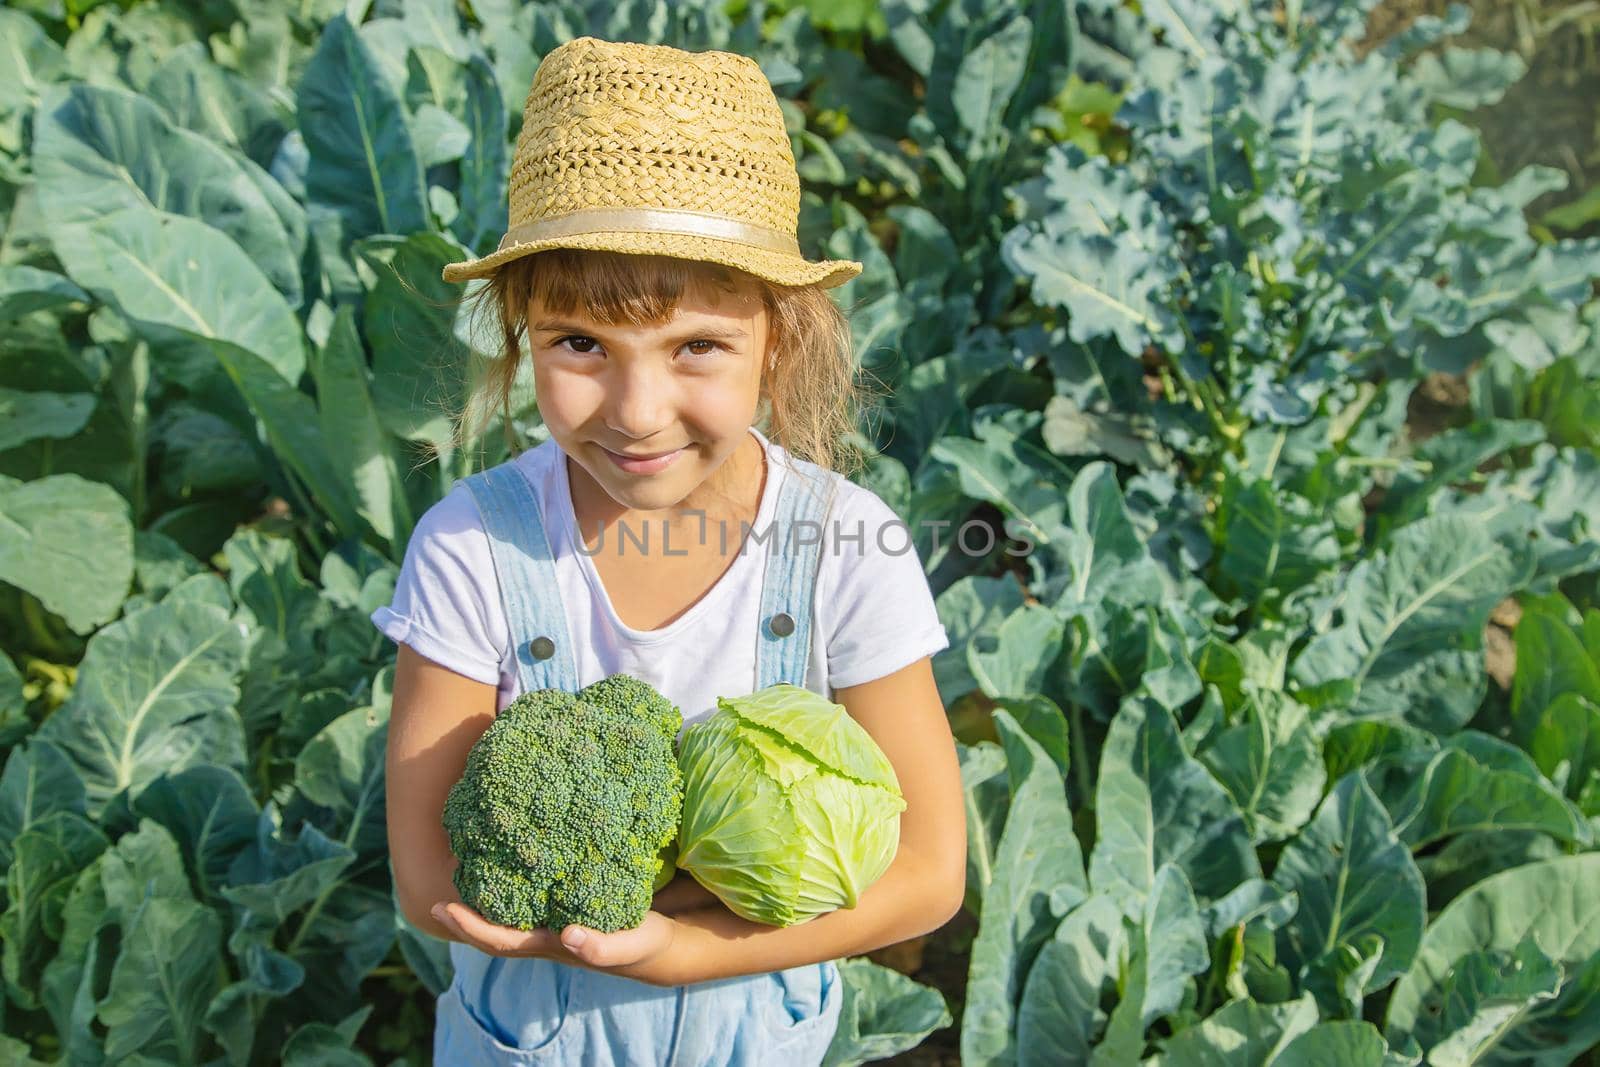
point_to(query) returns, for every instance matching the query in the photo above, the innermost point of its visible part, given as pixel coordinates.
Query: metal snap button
(542, 648)
(781, 624)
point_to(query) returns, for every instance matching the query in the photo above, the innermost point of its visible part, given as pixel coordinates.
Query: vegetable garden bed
(1279, 692)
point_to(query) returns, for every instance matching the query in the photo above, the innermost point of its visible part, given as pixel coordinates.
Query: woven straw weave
(624, 126)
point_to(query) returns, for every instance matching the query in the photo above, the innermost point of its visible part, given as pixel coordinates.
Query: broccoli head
(565, 807)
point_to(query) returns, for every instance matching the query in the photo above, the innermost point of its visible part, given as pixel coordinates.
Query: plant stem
(303, 505)
(1077, 745)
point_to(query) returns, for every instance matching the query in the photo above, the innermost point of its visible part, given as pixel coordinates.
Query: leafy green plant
(1251, 627)
(1275, 670)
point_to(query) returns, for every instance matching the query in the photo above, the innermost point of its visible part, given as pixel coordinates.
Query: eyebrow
(714, 333)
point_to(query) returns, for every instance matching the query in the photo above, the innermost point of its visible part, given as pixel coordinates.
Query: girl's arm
(437, 716)
(921, 890)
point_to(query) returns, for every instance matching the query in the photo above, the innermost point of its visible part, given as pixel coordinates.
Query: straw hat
(650, 149)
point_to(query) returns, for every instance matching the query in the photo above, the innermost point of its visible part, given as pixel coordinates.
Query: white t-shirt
(873, 612)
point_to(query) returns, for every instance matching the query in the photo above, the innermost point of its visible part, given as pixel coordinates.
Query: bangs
(617, 288)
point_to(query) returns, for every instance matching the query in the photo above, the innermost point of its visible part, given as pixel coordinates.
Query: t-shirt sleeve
(446, 602)
(877, 600)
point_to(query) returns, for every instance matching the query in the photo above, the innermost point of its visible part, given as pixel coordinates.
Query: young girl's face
(689, 386)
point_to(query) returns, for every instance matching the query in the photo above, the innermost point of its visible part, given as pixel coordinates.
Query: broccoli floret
(566, 805)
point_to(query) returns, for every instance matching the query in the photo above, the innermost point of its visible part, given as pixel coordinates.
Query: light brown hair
(811, 400)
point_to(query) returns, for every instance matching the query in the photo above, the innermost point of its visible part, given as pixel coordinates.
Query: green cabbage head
(790, 808)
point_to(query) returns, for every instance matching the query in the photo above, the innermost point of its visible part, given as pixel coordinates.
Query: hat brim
(775, 267)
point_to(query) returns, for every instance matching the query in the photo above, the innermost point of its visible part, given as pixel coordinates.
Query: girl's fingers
(579, 944)
(496, 940)
(617, 949)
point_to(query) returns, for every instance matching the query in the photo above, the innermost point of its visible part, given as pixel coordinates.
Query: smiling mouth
(653, 455)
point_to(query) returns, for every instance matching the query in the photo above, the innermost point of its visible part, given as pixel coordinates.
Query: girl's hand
(639, 953)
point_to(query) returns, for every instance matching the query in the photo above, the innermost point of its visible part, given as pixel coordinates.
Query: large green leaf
(342, 769)
(1059, 1018)
(363, 162)
(419, 364)
(99, 149)
(1488, 995)
(1017, 659)
(1106, 557)
(264, 576)
(304, 922)
(99, 915)
(1273, 542)
(362, 453)
(1270, 765)
(218, 101)
(73, 982)
(31, 60)
(169, 968)
(1070, 431)
(1551, 662)
(46, 859)
(1037, 858)
(209, 811)
(1125, 650)
(1554, 904)
(1165, 948)
(69, 542)
(1473, 782)
(986, 796)
(290, 420)
(155, 694)
(482, 194)
(318, 1044)
(40, 357)
(24, 289)
(973, 606)
(1452, 457)
(1349, 1044)
(1360, 894)
(1046, 723)
(986, 80)
(179, 279)
(1413, 616)
(1566, 744)
(1110, 288)
(1468, 78)
(38, 780)
(1241, 1033)
(884, 1013)
(1156, 804)
(26, 415)
(1027, 493)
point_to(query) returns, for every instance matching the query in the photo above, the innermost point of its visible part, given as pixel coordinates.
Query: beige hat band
(654, 220)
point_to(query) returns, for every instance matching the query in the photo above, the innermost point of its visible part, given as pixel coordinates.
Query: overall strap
(526, 570)
(783, 644)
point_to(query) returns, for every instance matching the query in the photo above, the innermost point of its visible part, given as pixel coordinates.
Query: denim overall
(502, 1011)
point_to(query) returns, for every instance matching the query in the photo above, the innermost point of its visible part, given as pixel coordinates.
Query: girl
(652, 267)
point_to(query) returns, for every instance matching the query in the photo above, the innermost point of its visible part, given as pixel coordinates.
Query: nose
(639, 400)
